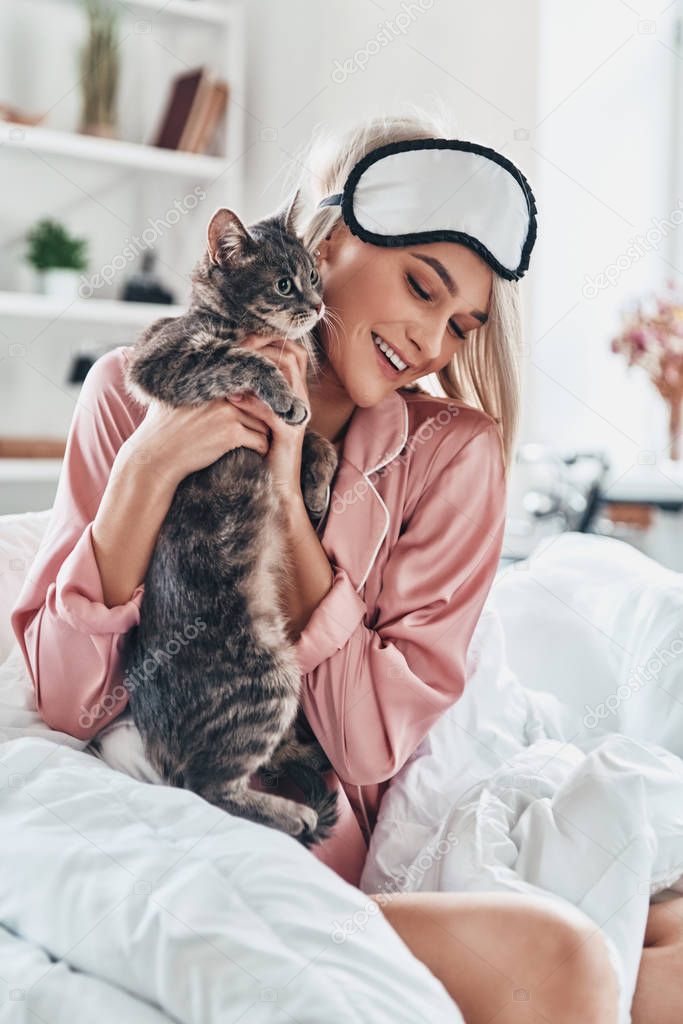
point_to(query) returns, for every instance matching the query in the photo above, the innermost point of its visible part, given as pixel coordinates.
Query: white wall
(603, 148)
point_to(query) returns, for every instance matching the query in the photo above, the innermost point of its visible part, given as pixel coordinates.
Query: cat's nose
(318, 306)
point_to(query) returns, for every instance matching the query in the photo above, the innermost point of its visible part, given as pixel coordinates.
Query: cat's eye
(315, 278)
(284, 286)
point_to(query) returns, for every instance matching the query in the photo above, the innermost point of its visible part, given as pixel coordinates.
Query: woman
(381, 603)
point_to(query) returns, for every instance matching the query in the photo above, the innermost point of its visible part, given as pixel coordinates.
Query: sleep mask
(442, 190)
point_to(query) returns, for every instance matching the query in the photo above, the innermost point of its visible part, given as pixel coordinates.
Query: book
(183, 96)
(208, 118)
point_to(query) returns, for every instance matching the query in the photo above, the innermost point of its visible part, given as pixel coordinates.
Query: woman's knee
(574, 979)
(520, 955)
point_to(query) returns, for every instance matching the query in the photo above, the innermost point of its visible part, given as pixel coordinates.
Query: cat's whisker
(332, 319)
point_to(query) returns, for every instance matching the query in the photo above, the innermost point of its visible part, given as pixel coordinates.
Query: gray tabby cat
(224, 706)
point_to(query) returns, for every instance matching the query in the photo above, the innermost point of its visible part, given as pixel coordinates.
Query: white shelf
(32, 470)
(209, 11)
(195, 10)
(93, 311)
(109, 151)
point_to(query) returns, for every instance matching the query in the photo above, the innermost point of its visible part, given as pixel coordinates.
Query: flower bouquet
(652, 338)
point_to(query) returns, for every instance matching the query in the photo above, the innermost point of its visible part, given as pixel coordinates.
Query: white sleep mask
(442, 190)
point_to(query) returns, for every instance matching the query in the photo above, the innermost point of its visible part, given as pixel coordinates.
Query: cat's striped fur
(223, 707)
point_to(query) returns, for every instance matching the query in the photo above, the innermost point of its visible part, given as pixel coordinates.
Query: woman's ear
(326, 246)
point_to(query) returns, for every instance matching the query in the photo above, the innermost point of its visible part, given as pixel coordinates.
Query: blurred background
(125, 123)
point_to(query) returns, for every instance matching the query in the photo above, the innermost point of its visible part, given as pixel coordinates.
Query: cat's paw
(307, 818)
(318, 466)
(315, 494)
(297, 413)
(281, 400)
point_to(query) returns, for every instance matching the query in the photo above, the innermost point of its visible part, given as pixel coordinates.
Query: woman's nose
(426, 344)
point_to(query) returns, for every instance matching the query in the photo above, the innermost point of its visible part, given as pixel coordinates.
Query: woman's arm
(133, 507)
(372, 694)
(308, 575)
(84, 588)
(68, 631)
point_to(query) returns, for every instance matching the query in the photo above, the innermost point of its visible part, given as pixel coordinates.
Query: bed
(558, 772)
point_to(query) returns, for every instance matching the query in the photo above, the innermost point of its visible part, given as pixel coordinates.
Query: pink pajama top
(413, 531)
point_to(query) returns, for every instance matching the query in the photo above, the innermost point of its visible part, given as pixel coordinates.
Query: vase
(675, 407)
(60, 283)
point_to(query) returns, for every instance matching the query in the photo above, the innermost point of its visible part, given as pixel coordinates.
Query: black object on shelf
(145, 286)
(79, 368)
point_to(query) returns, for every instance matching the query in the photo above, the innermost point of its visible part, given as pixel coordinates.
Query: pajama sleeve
(71, 640)
(372, 691)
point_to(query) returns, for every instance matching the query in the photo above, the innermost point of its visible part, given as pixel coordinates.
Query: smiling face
(420, 300)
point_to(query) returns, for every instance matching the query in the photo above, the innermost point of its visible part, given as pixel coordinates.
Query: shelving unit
(106, 190)
(89, 311)
(113, 152)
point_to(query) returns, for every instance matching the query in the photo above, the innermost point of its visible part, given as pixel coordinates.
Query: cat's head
(263, 274)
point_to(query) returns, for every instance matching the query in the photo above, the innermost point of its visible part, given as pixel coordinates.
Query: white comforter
(125, 901)
(121, 900)
(563, 786)
(558, 772)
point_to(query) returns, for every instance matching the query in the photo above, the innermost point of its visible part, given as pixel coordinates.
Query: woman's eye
(425, 295)
(315, 277)
(458, 331)
(416, 288)
(284, 286)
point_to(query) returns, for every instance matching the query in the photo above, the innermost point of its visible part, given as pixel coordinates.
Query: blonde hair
(485, 372)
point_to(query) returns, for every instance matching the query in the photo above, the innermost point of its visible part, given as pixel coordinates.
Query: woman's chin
(367, 393)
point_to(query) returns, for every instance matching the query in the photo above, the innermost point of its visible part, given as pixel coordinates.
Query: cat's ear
(227, 237)
(288, 213)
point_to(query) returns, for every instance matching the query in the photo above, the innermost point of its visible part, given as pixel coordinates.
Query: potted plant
(652, 338)
(100, 71)
(57, 257)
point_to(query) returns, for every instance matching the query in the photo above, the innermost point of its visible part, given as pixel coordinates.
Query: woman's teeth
(392, 356)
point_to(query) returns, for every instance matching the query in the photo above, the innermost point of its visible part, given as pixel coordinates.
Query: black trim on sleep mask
(345, 200)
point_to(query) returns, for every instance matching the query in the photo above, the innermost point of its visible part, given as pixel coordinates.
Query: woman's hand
(175, 442)
(286, 439)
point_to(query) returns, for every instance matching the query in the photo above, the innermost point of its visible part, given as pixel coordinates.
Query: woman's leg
(659, 992)
(509, 958)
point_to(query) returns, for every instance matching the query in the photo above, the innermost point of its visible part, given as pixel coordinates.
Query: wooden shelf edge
(32, 448)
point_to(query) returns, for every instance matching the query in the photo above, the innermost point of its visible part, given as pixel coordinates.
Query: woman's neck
(331, 406)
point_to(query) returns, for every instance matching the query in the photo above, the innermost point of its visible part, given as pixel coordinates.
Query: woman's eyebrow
(450, 284)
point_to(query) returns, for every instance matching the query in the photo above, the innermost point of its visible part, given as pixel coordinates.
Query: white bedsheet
(559, 787)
